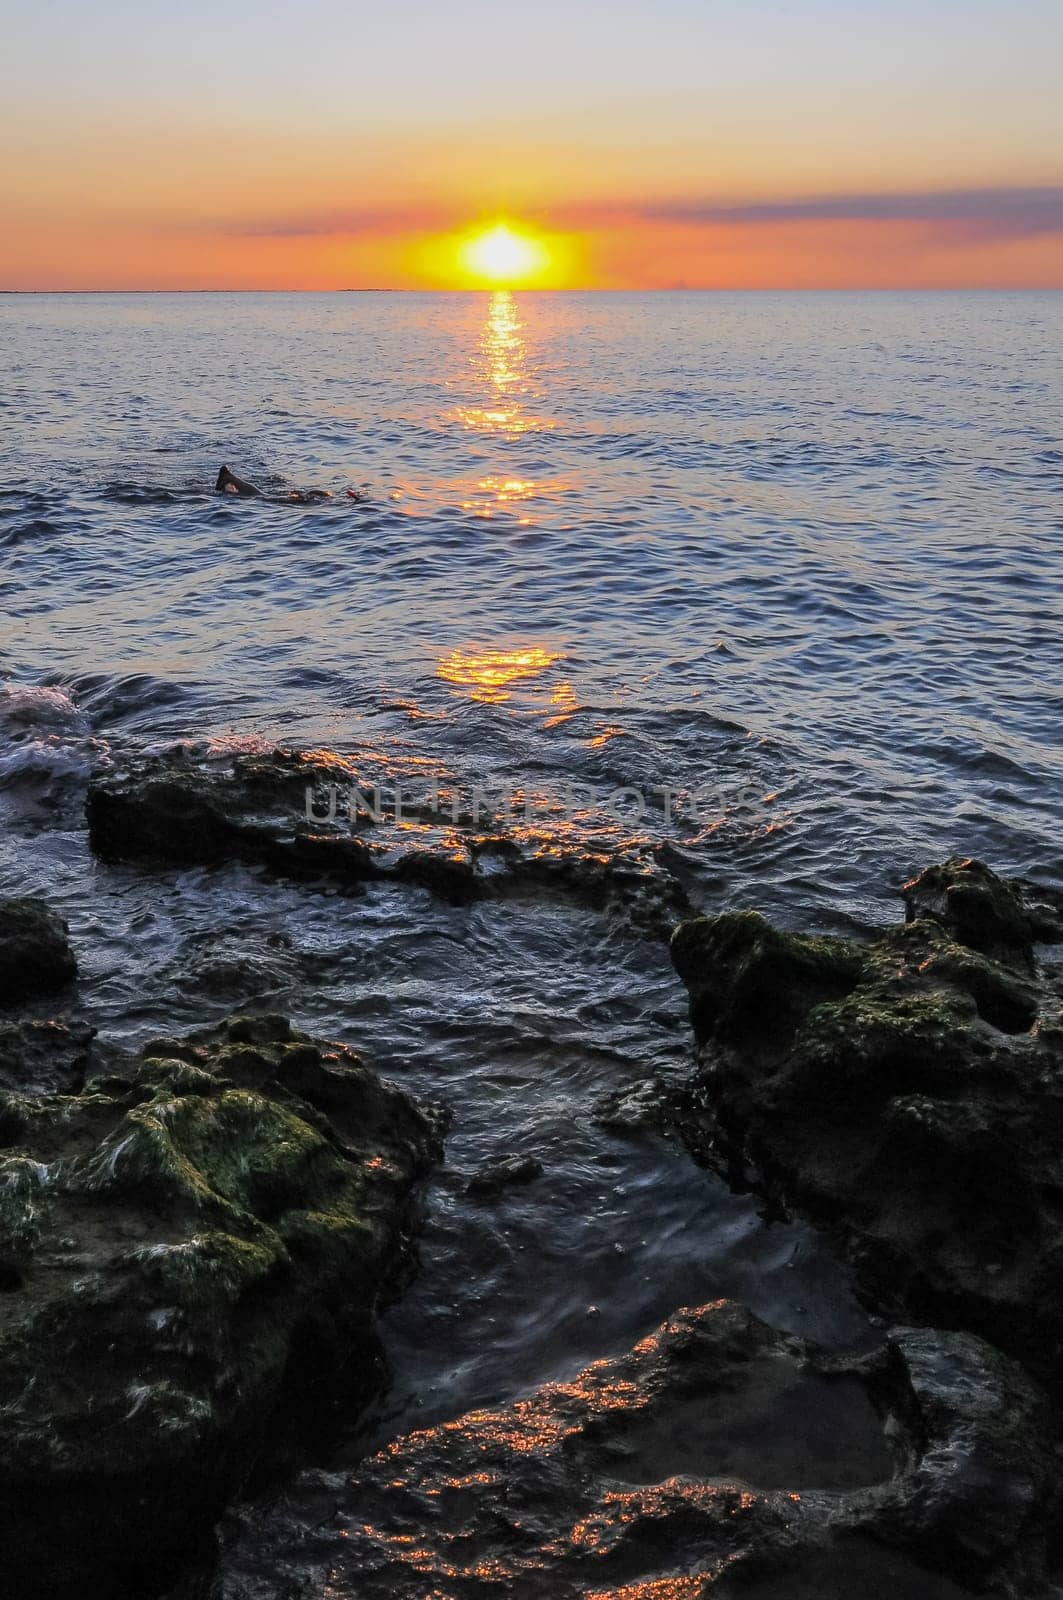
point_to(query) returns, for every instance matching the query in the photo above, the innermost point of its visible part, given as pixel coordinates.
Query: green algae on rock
(198, 1237)
(715, 1456)
(908, 1092)
(35, 953)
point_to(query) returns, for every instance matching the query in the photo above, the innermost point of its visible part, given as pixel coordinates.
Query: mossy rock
(1001, 917)
(198, 1236)
(746, 976)
(907, 1092)
(38, 1056)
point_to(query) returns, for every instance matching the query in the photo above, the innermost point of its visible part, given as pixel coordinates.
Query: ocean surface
(785, 568)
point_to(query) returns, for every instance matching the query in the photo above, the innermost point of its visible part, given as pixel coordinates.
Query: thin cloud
(1007, 212)
(1012, 212)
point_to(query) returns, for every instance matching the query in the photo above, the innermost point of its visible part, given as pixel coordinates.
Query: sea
(765, 585)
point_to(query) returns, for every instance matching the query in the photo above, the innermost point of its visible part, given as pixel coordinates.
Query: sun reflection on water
(489, 673)
(507, 489)
(502, 361)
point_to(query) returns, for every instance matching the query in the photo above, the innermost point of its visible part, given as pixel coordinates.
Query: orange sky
(691, 144)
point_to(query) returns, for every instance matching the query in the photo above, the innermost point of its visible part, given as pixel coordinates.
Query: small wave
(141, 494)
(40, 706)
(18, 499)
(133, 698)
(217, 747)
(35, 528)
(51, 758)
(44, 734)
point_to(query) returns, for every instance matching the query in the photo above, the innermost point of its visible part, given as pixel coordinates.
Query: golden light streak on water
(488, 674)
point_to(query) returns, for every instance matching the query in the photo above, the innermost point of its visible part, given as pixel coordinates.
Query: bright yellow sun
(502, 256)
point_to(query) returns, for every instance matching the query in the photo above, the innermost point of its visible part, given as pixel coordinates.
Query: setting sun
(500, 255)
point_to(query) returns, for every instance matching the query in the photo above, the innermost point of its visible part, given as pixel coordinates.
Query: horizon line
(679, 288)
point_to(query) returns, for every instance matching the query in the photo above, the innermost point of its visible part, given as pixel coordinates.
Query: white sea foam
(44, 735)
(214, 748)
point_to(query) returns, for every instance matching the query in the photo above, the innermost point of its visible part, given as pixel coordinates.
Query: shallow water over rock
(591, 1487)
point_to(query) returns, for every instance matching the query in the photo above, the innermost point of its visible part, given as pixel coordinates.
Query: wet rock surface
(43, 1057)
(192, 1251)
(640, 1109)
(1002, 917)
(281, 809)
(35, 953)
(715, 1457)
(908, 1091)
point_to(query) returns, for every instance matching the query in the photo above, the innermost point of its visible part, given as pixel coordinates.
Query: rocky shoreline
(193, 1247)
(276, 810)
(195, 1240)
(662, 1473)
(907, 1094)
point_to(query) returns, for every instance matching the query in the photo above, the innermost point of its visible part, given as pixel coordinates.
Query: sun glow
(500, 255)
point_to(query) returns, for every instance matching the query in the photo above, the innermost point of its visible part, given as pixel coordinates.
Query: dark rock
(1043, 908)
(35, 953)
(981, 1469)
(750, 976)
(192, 1251)
(1001, 918)
(908, 1092)
(253, 808)
(250, 808)
(716, 1457)
(43, 1057)
(503, 1173)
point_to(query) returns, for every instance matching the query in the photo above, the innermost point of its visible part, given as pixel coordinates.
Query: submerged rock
(254, 808)
(717, 1457)
(504, 1172)
(908, 1091)
(639, 1108)
(198, 1237)
(238, 966)
(35, 953)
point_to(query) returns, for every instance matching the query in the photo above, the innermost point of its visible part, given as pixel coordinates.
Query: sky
(679, 144)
